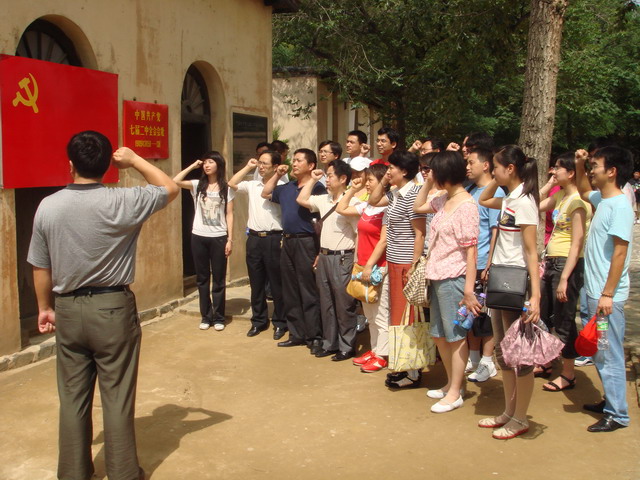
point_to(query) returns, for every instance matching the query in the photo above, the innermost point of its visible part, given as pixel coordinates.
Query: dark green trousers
(97, 336)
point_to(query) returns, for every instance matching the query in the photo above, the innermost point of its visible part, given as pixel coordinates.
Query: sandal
(404, 382)
(506, 433)
(554, 387)
(544, 372)
(492, 422)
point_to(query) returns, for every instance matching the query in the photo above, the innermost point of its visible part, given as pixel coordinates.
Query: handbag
(507, 287)
(527, 344)
(417, 290)
(317, 223)
(411, 346)
(367, 292)
(587, 341)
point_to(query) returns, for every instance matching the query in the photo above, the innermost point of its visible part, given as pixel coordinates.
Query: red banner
(145, 128)
(43, 105)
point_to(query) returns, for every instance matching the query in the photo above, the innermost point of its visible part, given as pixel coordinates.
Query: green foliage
(448, 67)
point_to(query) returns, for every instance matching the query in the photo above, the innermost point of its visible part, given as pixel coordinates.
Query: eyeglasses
(425, 169)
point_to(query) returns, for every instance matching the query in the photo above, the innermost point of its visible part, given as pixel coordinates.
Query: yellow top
(560, 241)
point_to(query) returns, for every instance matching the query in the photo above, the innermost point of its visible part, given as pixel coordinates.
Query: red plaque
(43, 105)
(146, 128)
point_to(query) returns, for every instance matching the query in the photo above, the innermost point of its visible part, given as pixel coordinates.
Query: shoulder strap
(329, 212)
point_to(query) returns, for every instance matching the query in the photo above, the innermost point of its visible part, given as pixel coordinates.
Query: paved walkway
(219, 405)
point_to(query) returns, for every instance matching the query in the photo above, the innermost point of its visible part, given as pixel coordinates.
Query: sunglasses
(425, 169)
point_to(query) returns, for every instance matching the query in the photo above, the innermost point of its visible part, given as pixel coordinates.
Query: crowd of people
(462, 211)
(469, 206)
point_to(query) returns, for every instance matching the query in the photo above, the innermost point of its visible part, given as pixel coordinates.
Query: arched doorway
(41, 40)
(196, 140)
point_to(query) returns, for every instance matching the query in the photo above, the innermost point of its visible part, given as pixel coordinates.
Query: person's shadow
(159, 434)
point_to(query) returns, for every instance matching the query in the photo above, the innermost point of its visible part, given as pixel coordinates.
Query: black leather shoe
(325, 353)
(278, 333)
(605, 424)
(253, 331)
(291, 343)
(594, 407)
(316, 347)
(340, 356)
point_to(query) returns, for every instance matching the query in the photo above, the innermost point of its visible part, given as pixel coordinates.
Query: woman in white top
(211, 235)
(516, 245)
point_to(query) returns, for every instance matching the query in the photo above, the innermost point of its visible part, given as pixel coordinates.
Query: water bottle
(464, 319)
(602, 327)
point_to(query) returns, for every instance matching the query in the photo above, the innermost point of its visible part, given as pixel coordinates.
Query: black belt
(82, 291)
(298, 235)
(265, 233)
(326, 251)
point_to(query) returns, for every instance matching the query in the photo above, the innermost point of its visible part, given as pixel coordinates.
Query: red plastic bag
(587, 341)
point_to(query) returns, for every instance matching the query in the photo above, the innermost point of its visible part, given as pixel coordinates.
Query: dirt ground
(220, 405)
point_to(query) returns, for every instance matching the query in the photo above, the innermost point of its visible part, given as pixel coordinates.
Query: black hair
(436, 143)
(479, 139)
(599, 142)
(378, 170)
(619, 158)
(309, 155)
(483, 155)
(90, 153)
(279, 146)
(341, 168)
(221, 176)
(567, 160)
(426, 159)
(407, 161)
(263, 144)
(276, 158)
(362, 137)
(449, 167)
(393, 136)
(526, 168)
(335, 147)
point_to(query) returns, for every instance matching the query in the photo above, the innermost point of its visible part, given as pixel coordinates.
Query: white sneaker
(583, 362)
(204, 326)
(483, 373)
(218, 326)
(470, 366)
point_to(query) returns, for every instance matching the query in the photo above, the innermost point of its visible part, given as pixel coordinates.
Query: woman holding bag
(451, 269)
(516, 246)
(405, 245)
(372, 243)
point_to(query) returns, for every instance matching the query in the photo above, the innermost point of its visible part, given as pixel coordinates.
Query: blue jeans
(611, 364)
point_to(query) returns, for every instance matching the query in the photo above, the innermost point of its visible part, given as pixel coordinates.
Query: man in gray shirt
(83, 250)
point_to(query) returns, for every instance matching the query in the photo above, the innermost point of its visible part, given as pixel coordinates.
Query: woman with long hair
(211, 235)
(564, 263)
(516, 245)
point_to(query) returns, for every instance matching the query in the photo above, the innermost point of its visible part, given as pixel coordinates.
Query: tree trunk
(540, 79)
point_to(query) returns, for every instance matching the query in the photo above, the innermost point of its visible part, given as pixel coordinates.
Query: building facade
(209, 61)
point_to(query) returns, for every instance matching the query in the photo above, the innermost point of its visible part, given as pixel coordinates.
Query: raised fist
(282, 169)
(317, 174)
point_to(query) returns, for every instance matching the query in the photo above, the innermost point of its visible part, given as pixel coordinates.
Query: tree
(540, 80)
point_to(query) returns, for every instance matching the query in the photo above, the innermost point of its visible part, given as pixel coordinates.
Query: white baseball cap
(359, 163)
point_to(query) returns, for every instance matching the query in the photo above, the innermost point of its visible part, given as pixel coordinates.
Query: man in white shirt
(356, 145)
(263, 244)
(335, 262)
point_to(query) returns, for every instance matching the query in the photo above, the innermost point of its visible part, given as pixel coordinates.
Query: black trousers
(210, 261)
(263, 264)
(558, 315)
(301, 300)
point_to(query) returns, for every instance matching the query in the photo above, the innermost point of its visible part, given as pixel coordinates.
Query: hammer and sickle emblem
(32, 96)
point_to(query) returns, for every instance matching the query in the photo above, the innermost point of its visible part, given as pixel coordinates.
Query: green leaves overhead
(448, 67)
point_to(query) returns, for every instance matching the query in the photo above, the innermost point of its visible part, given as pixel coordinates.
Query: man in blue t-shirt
(607, 255)
(479, 172)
